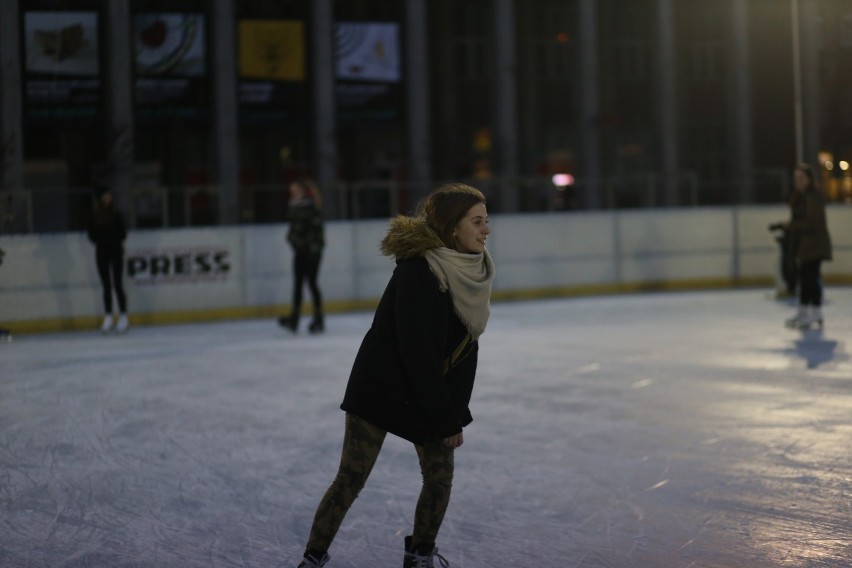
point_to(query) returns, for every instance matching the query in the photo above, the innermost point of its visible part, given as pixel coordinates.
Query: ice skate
(123, 324)
(423, 556)
(106, 326)
(793, 322)
(313, 561)
(291, 323)
(811, 319)
(317, 325)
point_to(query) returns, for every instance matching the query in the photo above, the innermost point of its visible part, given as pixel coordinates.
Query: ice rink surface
(652, 430)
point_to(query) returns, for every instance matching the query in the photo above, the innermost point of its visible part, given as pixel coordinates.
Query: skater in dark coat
(107, 231)
(414, 373)
(813, 245)
(306, 236)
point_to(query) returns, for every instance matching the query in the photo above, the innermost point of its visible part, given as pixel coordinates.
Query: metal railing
(57, 209)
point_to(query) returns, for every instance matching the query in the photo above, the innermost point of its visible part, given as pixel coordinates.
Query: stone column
(808, 14)
(226, 146)
(589, 119)
(325, 121)
(505, 97)
(419, 139)
(667, 101)
(742, 150)
(120, 130)
(11, 105)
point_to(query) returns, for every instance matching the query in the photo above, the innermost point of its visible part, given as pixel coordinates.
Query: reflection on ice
(653, 431)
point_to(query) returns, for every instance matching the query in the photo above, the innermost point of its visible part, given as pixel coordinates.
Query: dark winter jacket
(414, 373)
(809, 226)
(106, 228)
(306, 234)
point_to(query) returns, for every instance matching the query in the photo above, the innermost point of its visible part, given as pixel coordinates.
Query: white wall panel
(49, 277)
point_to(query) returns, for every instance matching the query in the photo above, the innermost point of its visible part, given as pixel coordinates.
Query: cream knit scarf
(468, 278)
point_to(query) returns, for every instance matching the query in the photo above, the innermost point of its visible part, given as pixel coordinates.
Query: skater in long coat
(414, 373)
(813, 245)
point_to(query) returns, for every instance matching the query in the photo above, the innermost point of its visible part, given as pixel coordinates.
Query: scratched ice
(658, 430)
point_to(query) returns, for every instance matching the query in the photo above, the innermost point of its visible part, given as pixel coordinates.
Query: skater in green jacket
(306, 236)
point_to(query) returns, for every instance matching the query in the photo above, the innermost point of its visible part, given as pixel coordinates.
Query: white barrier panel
(187, 269)
(48, 276)
(53, 276)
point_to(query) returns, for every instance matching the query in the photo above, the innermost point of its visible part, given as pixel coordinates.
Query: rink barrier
(49, 282)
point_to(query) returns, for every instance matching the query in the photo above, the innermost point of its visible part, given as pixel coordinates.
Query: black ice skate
(290, 322)
(423, 556)
(317, 325)
(312, 560)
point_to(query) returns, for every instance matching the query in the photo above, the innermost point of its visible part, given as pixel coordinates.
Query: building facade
(200, 112)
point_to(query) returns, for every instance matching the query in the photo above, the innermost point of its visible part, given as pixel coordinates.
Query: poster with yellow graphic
(272, 50)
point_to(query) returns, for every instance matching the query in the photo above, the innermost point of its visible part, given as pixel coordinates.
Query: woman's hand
(454, 441)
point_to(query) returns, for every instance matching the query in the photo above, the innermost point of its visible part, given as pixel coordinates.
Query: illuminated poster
(170, 65)
(272, 50)
(367, 51)
(61, 64)
(62, 43)
(169, 44)
(272, 71)
(368, 70)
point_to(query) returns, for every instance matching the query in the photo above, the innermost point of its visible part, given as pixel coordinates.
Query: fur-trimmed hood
(467, 277)
(408, 237)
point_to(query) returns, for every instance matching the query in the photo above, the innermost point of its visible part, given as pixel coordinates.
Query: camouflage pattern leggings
(361, 445)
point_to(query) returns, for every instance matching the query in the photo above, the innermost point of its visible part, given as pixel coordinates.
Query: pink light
(563, 180)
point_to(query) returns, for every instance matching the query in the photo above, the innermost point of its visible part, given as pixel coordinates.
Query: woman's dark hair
(446, 206)
(809, 173)
(100, 189)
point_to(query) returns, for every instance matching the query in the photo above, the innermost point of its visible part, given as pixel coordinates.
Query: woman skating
(813, 245)
(414, 373)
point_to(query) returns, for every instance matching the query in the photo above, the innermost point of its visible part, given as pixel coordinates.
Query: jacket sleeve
(422, 321)
(305, 233)
(813, 219)
(90, 228)
(122, 228)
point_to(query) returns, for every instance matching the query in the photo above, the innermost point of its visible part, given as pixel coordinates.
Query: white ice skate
(106, 326)
(793, 322)
(123, 324)
(811, 319)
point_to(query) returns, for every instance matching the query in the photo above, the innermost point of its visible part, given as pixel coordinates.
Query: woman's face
(296, 191)
(800, 180)
(472, 231)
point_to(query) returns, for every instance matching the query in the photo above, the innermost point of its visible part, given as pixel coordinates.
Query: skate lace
(311, 561)
(421, 561)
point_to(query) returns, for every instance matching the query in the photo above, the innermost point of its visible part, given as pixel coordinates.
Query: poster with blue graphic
(368, 69)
